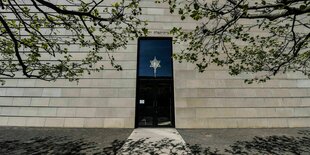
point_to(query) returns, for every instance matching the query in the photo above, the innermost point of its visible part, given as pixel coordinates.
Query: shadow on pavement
(161, 147)
(271, 145)
(274, 145)
(57, 146)
(66, 146)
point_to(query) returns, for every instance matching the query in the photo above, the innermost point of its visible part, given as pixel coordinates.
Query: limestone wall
(105, 99)
(212, 99)
(216, 100)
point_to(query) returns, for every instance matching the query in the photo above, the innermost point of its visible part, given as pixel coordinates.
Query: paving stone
(149, 141)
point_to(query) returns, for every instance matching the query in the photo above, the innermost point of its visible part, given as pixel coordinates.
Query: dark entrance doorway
(154, 97)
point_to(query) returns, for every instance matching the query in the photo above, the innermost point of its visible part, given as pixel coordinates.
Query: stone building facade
(108, 99)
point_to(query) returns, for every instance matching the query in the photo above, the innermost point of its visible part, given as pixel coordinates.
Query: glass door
(154, 98)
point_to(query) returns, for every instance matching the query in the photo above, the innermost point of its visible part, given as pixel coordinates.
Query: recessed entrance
(154, 95)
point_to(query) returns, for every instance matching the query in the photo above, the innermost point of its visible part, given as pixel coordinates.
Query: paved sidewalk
(149, 141)
(61, 141)
(144, 141)
(260, 141)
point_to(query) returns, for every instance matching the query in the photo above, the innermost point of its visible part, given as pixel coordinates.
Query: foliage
(34, 31)
(261, 37)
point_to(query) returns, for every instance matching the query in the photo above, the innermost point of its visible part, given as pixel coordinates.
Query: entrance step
(148, 141)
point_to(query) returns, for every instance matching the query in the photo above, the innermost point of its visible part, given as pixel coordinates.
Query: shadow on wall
(275, 145)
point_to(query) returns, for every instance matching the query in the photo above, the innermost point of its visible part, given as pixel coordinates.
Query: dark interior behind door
(154, 98)
(155, 102)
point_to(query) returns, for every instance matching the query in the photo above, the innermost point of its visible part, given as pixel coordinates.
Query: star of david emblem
(155, 64)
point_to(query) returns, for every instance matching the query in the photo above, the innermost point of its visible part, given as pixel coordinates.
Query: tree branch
(70, 12)
(289, 11)
(15, 41)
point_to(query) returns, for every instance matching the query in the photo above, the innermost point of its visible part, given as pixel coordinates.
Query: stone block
(85, 112)
(87, 102)
(14, 91)
(2, 91)
(295, 75)
(206, 112)
(267, 112)
(221, 123)
(47, 111)
(16, 121)
(11, 82)
(26, 82)
(42, 83)
(303, 83)
(35, 122)
(6, 100)
(114, 93)
(288, 83)
(229, 112)
(190, 123)
(120, 102)
(40, 102)
(263, 93)
(51, 92)
(81, 83)
(28, 111)
(4, 121)
(203, 92)
(54, 122)
(10, 111)
(125, 83)
(100, 83)
(246, 112)
(284, 112)
(298, 92)
(244, 92)
(115, 112)
(233, 83)
(129, 122)
(277, 122)
(128, 74)
(58, 102)
(185, 112)
(74, 122)
(298, 122)
(114, 122)
(190, 93)
(243, 123)
(271, 102)
(90, 92)
(93, 122)
(71, 92)
(252, 123)
(21, 101)
(304, 112)
(180, 103)
(155, 11)
(305, 101)
(126, 92)
(291, 102)
(280, 92)
(66, 112)
(226, 93)
(207, 102)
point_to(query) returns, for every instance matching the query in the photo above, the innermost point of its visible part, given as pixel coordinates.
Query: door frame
(138, 85)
